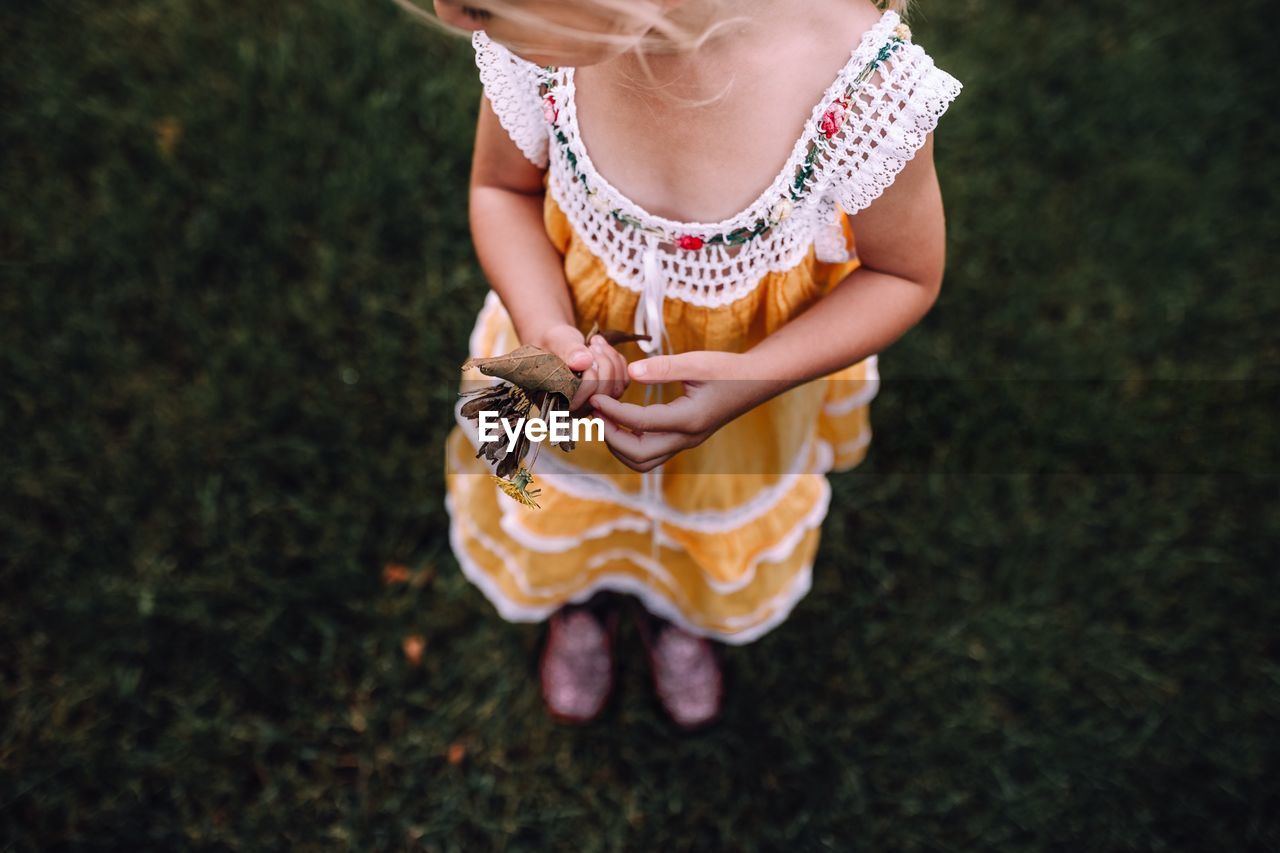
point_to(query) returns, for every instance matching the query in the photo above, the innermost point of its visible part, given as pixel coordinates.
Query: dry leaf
(414, 645)
(532, 368)
(535, 379)
(359, 722)
(503, 397)
(394, 573)
(168, 132)
(511, 404)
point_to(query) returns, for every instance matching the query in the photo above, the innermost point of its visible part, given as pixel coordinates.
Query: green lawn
(238, 283)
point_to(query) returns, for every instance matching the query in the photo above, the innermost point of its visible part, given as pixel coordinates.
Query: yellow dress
(721, 538)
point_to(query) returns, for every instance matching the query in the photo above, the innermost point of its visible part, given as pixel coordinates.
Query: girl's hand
(604, 370)
(716, 390)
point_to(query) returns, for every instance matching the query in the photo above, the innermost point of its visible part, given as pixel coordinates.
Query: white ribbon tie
(649, 319)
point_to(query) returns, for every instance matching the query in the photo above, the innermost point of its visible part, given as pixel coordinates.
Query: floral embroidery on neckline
(826, 126)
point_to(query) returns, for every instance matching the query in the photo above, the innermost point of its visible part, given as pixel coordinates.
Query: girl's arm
(521, 264)
(901, 242)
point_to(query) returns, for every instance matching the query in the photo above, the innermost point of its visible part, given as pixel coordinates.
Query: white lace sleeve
(889, 119)
(511, 85)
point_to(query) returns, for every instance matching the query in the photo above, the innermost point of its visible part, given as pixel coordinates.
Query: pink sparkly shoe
(687, 676)
(577, 664)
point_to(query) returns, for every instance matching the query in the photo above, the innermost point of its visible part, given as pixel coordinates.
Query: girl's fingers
(682, 366)
(566, 341)
(649, 466)
(679, 415)
(644, 448)
(620, 371)
(615, 372)
(606, 375)
(579, 359)
(605, 367)
(589, 385)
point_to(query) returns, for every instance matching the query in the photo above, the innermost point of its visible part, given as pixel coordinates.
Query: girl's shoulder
(512, 85)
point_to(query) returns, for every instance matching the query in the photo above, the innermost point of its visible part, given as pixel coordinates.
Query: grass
(238, 282)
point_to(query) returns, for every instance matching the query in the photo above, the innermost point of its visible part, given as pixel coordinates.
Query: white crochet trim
(889, 117)
(889, 121)
(511, 85)
(829, 243)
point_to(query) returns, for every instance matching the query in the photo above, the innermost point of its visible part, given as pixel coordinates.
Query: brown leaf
(532, 368)
(394, 573)
(414, 645)
(473, 408)
(555, 403)
(168, 131)
(490, 397)
(511, 461)
(359, 721)
(537, 400)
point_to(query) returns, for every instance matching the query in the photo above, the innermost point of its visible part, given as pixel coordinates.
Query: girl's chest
(706, 163)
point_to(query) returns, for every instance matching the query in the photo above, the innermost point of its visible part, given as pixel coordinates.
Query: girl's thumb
(579, 359)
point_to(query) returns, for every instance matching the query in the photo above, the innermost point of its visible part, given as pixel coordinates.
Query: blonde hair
(662, 34)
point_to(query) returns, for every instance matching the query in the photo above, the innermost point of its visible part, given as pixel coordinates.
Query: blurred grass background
(238, 282)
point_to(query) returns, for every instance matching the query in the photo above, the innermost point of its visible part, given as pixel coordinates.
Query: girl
(620, 156)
